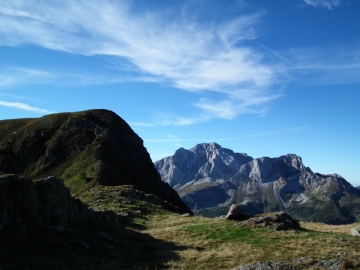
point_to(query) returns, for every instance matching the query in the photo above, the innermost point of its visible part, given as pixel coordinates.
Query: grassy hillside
(161, 240)
(86, 149)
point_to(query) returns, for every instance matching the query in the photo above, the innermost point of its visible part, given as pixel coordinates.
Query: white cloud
(23, 106)
(323, 3)
(161, 45)
(12, 76)
(332, 65)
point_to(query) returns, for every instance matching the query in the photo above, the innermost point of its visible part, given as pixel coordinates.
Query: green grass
(161, 240)
(118, 199)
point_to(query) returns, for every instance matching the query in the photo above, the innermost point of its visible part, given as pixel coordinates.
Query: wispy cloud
(163, 46)
(332, 65)
(169, 139)
(23, 106)
(13, 76)
(212, 60)
(323, 3)
(279, 131)
(175, 139)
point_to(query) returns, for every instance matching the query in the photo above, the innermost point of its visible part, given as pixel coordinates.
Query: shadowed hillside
(86, 149)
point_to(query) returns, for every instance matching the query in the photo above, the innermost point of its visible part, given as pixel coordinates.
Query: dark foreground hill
(85, 149)
(209, 178)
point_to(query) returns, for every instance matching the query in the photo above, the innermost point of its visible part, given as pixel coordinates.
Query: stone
(300, 260)
(279, 221)
(268, 266)
(333, 264)
(355, 231)
(234, 212)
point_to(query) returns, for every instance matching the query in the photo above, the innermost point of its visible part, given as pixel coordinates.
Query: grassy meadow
(221, 244)
(156, 239)
(210, 243)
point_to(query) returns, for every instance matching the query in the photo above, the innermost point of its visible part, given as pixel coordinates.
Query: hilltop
(209, 178)
(86, 149)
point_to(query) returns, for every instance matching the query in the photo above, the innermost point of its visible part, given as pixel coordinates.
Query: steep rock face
(85, 149)
(200, 162)
(46, 202)
(208, 177)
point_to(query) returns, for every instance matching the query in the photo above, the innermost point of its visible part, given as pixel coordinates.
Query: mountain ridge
(217, 177)
(85, 149)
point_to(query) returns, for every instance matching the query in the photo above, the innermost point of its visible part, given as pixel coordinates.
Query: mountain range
(209, 178)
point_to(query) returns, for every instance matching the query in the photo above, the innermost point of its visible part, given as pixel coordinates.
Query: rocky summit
(210, 178)
(85, 149)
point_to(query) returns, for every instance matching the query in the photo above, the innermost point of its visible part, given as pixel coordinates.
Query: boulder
(279, 221)
(234, 212)
(355, 231)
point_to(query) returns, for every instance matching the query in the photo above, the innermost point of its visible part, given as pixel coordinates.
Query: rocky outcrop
(209, 178)
(46, 202)
(267, 266)
(355, 231)
(279, 221)
(88, 148)
(234, 212)
(204, 161)
(332, 264)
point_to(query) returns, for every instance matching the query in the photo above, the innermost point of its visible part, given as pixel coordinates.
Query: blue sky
(260, 77)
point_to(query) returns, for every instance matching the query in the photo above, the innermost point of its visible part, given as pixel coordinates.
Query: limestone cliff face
(209, 177)
(88, 148)
(200, 162)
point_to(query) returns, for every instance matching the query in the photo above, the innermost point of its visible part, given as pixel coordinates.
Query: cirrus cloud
(162, 46)
(323, 3)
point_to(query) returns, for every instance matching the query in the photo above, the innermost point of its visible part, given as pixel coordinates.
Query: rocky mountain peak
(205, 161)
(210, 177)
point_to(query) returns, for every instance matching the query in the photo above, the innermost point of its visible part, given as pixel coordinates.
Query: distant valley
(209, 178)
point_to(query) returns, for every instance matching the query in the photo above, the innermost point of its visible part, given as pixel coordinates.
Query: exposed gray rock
(279, 221)
(209, 177)
(355, 231)
(200, 162)
(333, 264)
(234, 212)
(300, 260)
(46, 202)
(268, 266)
